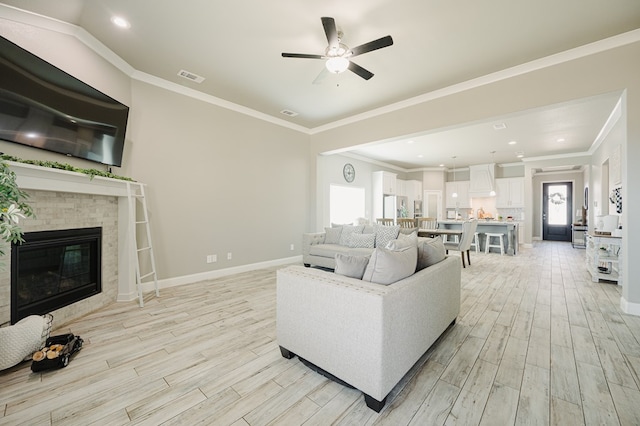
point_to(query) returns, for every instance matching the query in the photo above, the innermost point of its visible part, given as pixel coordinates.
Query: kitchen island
(507, 227)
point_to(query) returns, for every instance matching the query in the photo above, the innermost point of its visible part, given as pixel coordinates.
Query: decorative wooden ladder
(143, 236)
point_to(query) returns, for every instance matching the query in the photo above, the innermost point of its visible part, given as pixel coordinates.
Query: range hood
(482, 180)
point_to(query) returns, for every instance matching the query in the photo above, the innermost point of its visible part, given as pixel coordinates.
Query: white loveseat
(365, 334)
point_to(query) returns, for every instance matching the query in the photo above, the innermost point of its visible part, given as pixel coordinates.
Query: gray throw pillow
(384, 234)
(388, 266)
(430, 252)
(351, 266)
(332, 235)
(362, 240)
(347, 230)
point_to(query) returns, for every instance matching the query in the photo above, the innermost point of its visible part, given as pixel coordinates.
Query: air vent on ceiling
(190, 76)
(288, 112)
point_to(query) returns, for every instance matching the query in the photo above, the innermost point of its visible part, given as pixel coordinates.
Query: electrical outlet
(291, 247)
(229, 256)
(212, 258)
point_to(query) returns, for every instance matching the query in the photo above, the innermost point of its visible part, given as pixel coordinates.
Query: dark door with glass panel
(557, 206)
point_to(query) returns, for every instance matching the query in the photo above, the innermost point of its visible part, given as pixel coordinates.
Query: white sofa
(367, 335)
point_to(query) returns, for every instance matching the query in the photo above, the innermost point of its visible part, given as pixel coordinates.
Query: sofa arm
(310, 239)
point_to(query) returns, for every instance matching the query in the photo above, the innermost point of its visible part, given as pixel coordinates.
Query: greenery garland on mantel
(63, 166)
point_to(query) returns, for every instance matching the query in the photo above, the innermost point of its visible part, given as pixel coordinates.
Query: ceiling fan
(338, 55)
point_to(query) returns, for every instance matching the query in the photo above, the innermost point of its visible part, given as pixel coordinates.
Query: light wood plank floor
(536, 342)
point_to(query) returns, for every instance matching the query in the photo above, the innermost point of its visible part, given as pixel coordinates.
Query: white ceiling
(237, 47)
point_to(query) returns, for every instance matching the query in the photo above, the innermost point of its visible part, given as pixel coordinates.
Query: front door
(556, 211)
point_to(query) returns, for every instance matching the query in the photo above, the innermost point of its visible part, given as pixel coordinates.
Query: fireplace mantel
(30, 176)
(48, 179)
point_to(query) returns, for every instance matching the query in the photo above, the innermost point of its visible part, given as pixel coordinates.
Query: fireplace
(53, 269)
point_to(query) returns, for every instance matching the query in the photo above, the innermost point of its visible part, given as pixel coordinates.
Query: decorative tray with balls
(57, 352)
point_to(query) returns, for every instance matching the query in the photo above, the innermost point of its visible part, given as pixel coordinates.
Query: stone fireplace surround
(63, 200)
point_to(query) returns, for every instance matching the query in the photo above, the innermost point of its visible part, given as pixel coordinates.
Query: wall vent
(288, 112)
(190, 76)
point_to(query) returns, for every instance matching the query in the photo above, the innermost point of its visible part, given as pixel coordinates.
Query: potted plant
(13, 207)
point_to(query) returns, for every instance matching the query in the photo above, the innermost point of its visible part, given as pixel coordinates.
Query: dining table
(439, 231)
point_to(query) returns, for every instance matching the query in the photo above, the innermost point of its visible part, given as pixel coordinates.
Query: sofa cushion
(384, 234)
(362, 241)
(347, 230)
(412, 237)
(388, 266)
(328, 250)
(332, 235)
(351, 266)
(430, 252)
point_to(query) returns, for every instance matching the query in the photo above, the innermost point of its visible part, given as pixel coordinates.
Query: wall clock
(349, 172)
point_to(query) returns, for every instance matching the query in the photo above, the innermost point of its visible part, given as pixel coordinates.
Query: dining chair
(406, 223)
(384, 221)
(427, 223)
(464, 244)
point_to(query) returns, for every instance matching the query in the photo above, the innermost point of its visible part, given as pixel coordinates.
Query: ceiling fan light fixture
(337, 64)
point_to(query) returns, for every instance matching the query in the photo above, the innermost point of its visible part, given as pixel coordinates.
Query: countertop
(482, 222)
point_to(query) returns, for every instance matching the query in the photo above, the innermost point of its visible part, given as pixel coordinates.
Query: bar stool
(499, 245)
(475, 243)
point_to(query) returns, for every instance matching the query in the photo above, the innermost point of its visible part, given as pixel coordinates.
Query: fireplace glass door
(52, 269)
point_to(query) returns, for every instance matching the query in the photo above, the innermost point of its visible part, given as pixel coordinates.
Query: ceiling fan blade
(330, 30)
(372, 45)
(366, 74)
(301, 55)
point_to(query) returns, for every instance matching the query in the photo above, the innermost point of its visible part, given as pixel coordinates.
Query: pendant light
(455, 193)
(492, 193)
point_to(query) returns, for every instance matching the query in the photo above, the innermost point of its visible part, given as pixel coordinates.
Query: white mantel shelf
(30, 176)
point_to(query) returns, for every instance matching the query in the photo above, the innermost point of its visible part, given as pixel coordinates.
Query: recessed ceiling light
(499, 126)
(441, 165)
(561, 139)
(520, 154)
(120, 22)
(409, 141)
(512, 142)
(420, 155)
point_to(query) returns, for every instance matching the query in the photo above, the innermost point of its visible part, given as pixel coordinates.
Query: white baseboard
(629, 307)
(190, 279)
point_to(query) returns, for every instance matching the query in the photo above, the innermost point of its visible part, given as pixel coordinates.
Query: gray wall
(218, 181)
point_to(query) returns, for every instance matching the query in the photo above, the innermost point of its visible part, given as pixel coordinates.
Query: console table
(603, 257)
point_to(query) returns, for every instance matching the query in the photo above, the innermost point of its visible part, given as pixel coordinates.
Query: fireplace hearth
(53, 269)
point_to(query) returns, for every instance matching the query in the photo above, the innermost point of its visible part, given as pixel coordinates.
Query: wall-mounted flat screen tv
(44, 107)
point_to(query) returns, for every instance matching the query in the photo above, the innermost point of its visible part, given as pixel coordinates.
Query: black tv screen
(44, 107)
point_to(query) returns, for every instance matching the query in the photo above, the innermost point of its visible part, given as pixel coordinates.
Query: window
(346, 203)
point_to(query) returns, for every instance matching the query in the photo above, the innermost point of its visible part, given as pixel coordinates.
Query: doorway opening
(557, 208)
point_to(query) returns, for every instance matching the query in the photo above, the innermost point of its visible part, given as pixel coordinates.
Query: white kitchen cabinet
(386, 182)
(401, 187)
(510, 192)
(462, 201)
